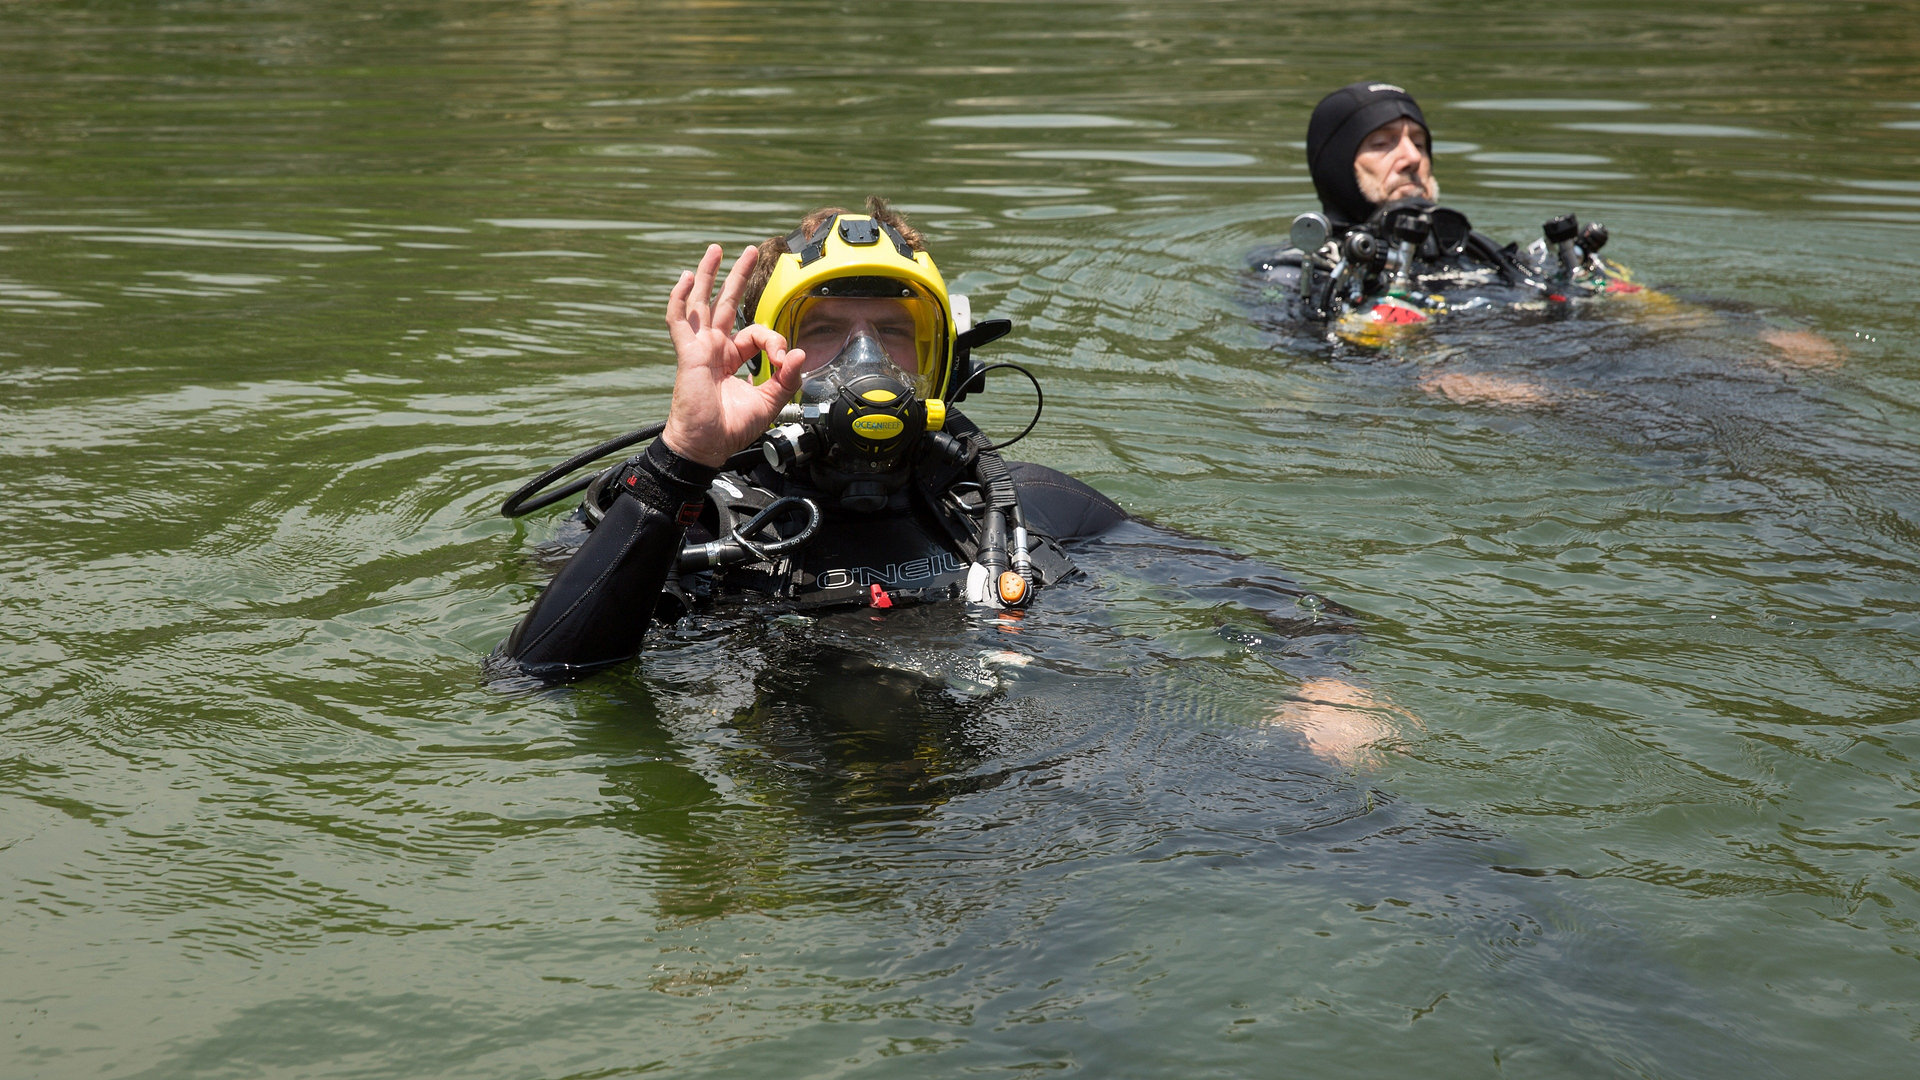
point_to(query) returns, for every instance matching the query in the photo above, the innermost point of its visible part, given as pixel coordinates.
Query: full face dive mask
(877, 325)
(857, 425)
(853, 255)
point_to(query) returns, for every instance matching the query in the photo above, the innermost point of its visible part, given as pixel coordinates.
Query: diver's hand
(1342, 723)
(715, 415)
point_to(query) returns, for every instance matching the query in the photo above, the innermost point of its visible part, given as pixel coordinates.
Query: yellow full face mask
(857, 276)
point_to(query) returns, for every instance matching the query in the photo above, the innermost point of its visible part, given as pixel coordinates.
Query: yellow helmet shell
(852, 245)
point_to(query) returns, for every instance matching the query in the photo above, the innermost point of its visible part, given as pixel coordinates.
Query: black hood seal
(1340, 122)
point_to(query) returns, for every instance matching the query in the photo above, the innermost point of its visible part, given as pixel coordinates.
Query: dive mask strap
(899, 242)
(810, 248)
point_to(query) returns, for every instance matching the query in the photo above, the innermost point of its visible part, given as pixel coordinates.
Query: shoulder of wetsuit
(1058, 506)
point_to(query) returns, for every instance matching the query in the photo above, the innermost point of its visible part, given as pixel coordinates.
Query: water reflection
(1033, 120)
(1551, 105)
(1198, 159)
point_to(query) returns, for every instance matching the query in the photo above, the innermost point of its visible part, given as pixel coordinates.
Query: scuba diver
(1381, 257)
(840, 476)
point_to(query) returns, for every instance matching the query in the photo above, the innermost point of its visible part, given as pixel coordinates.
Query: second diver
(1381, 257)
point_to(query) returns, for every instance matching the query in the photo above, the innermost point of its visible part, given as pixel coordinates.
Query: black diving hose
(1039, 398)
(517, 504)
(738, 545)
(1503, 261)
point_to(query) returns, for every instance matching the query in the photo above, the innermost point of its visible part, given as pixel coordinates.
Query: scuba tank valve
(1409, 229)
(1562, 235)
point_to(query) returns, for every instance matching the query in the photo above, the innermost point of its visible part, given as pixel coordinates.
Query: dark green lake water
(292, 294)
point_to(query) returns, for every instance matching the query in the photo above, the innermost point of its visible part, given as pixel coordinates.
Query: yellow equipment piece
(862, 254)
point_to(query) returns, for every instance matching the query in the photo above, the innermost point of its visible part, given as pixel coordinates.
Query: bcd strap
(1050, 564)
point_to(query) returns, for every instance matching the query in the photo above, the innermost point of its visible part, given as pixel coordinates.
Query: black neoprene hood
(1340, 122)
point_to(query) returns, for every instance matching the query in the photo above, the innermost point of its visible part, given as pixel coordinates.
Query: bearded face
(1395, 161)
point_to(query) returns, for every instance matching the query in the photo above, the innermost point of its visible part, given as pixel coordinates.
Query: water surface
(292, 294)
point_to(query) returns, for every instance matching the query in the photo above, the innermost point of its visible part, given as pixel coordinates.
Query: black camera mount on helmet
(966, 372)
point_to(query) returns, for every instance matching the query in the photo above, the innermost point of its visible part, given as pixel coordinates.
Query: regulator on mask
(856, 428)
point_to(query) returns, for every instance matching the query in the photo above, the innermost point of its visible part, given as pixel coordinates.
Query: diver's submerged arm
(596, 609)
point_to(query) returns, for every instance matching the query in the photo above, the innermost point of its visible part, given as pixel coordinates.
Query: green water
(292, 294)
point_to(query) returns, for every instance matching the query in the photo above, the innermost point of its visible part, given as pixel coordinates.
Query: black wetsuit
(598, 608)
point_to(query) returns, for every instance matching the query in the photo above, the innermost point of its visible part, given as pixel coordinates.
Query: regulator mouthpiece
(856, 427)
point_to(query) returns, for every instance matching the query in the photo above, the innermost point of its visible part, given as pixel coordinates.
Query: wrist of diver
(687, 449)
(665, 480)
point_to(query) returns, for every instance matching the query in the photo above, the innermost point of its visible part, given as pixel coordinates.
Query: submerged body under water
(1680, 391)
(949, 777)
(1499, 343)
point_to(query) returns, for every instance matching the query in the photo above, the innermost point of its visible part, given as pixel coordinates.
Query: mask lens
(907, 326)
